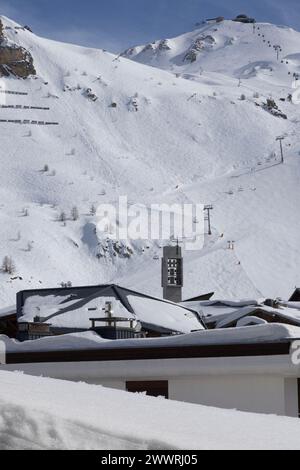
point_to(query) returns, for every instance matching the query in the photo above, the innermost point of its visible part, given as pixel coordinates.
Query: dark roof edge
(279, 348)
(200, 297)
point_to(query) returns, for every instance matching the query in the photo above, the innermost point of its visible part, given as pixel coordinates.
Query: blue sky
(118, 24)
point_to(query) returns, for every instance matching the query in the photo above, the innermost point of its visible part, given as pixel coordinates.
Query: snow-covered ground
(178, 135)
(38, 413)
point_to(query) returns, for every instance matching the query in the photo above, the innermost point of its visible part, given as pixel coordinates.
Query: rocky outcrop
(14, 60)
(91, 95)
(151, 48)
(129, 52)
(164, 45)
(200, 44)
(273, 109)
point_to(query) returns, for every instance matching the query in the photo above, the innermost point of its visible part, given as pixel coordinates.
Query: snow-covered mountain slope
(233, 49)
(125, 128)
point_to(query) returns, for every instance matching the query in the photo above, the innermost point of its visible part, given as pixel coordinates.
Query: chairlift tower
(280, 140)
(277, 49)
(208, 210)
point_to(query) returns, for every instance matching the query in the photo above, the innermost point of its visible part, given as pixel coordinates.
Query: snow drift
(38, 413)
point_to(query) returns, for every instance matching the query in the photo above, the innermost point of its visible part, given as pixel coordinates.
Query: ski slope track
(158, 127)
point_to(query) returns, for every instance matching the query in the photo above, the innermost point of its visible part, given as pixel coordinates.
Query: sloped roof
(200, 298)
(216, 310)
(73, 307)
(281, 314)
(7, 312)
(236, 316)
(296, 296)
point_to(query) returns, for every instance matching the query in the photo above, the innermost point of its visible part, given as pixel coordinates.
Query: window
(153, 388)
(174, 272)
(32, 337)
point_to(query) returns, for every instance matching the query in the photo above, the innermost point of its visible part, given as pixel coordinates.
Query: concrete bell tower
(172, 273)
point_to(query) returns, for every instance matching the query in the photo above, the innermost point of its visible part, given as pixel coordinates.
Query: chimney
(272, 303)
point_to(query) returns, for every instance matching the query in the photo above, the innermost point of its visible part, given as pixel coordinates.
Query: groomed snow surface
(39, 413)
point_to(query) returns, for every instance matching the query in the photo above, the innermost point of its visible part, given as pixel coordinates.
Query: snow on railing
(28, 121)
(7, 92)
(24, 107)
(19, 106)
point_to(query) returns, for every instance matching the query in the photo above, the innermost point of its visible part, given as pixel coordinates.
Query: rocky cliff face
(201, 44)
(14, 60)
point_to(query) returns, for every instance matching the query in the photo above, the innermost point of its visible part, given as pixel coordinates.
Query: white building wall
(261, 394)
(291, 398)
(262, 385)
(254, 393)
(109, 383)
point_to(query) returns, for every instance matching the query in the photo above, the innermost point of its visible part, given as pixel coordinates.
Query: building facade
(252, 376)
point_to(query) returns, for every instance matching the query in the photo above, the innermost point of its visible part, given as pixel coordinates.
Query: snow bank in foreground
(38, 413)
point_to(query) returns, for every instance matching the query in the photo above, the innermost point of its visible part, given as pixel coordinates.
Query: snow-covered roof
(89, 340)
(235, 316)
(288, 314)
(223, 313)
(285, 312)
(216, 310)
(229, 303)
(165, 314)
(5, 312)
(295, 305)
(63, 312)
(72, 308)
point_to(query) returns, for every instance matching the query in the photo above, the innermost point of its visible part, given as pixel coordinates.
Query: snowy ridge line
(7, 92)
(27, 121)
(19, 106)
